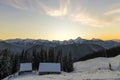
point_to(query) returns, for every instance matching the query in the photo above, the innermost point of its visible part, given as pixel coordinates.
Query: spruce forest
(10, 63)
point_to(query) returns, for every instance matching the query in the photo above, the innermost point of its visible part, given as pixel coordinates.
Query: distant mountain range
(78, 47)
(117, 40)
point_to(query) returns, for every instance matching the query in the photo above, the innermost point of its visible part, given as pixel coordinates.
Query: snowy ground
(94, 69)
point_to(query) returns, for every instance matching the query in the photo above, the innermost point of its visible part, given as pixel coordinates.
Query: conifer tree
(70, 62)
(59, 56)
(5, 67)
(51, 55)
(41, 55)
(34, 60)
(67, 63)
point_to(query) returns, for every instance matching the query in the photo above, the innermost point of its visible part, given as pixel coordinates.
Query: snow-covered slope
(11, 47)
(94, 69)
(98, 63)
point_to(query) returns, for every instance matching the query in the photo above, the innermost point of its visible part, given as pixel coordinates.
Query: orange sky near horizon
(60, 19)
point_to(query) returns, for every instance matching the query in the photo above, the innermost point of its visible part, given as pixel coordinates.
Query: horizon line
(56, 39)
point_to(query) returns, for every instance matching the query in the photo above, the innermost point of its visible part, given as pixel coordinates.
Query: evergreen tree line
(103, 53)
(10, 63)
(49, 56)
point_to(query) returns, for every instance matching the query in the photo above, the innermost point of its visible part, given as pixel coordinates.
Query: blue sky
(60, 19)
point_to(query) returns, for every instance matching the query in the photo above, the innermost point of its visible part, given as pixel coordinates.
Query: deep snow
(94, 69)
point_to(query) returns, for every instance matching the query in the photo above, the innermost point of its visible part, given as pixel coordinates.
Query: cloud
(115, 11)
(104, 19)
(78, 15)
(37, 5)
(92, 20)
(19, 4)
(61, 11)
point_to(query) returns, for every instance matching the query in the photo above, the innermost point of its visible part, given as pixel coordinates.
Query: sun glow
(59, 19)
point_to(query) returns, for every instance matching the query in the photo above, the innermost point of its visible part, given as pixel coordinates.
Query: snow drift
(94, 69)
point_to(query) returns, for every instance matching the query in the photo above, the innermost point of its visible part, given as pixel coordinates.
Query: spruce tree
(51, 55)
(6, 66)
(34, 60)
(41, 55)
(70, 62)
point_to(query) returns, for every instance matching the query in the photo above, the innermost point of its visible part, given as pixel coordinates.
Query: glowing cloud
(36, 5)
(116, 11)
(20, 4)
(65, 10)
(94, 21)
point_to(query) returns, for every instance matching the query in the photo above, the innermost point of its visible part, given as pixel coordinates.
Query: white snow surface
(94, 69)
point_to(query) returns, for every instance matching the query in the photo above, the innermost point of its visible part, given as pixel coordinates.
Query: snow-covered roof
(25, 66)
(49, 67)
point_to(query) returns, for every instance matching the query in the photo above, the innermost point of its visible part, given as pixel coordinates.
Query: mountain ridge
(79, 47)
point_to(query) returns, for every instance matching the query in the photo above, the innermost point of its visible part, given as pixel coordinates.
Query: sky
(60, 19)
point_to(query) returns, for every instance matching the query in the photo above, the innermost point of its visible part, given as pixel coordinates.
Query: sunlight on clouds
(64, 9)
(112, 13)
(53, 12)
(37, 4)
(116, 11)
(94, 21)
(19, 4)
